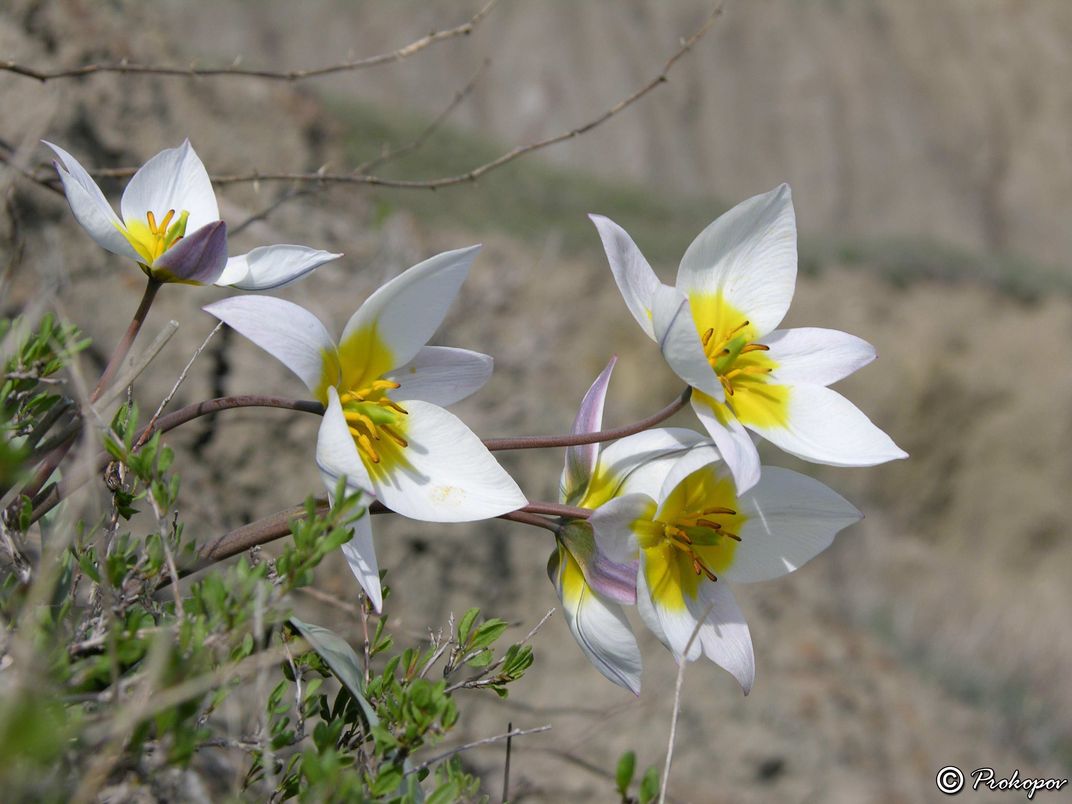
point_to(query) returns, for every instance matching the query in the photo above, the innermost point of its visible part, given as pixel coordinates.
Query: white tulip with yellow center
(592, 589)
(696, 533)
(171, 226)
(384, 428)
(717, 330)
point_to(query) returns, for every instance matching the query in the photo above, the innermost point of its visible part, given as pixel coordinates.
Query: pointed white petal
(90, 207)
(634, 276)
(749, 256)
(791, 518)
(673, 626)
(442, 375)
(599, 626)
(734, 443)
(173, 179)
(446, 474)
(724, 633)
(816, 356)
(581, 460)
(336, 452)
(825, 427)
(692, 461)
(638, 464)
(289, 333)
(406, 312)
(270, 267)
(676, 334)
(360, 554)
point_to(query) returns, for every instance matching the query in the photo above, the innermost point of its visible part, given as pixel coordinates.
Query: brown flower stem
(56, 456)
(277, 525)
(210, 406)
(127, 341)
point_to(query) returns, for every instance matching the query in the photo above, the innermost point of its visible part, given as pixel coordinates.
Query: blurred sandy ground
(933, 633)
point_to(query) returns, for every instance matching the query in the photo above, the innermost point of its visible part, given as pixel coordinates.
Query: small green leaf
(624, 774)
(466, 624)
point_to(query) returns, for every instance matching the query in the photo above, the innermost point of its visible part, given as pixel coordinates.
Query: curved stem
(123, 347)
(577, 439)
(55, 458)
(277, 525)
(210, 406)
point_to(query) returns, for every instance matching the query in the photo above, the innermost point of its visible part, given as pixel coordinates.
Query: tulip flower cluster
(664, 519)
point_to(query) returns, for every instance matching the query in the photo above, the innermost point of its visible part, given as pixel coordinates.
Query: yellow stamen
(707, 336)
(149, 216)
(755, 347)
(394, 436)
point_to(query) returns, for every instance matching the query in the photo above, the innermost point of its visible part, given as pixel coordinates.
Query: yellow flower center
(376, 422)
(742, 366)
(691, 532)
(728, 356)
(151, 238)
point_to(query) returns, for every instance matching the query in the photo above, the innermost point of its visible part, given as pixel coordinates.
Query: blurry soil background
(928, 148)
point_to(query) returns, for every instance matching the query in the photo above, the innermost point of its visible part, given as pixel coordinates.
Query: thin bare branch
(430, 129)
(174, 388)
(235, 71)
(677, 702)
(356, 177)
(498, 738)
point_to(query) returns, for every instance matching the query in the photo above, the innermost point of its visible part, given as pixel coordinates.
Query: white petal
(825, 427)
(289, 333)
(613, 525)
(336, 452)
(692, 461)
(676, 334)
(173, 179)
(791, 518)
(270, 267)
(581, 460)
(749, 255)
(634, 276)
(673, 627)
(408, 310)
(816, 356)
(448, 474)
(638, 464)
(724, 633)
(442, 375)
(598, 625)
(90, 207)
(360, 554)
(733, 442)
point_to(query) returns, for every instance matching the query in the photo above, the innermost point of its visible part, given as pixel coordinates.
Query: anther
(394, 436)
(167, 219)
(149, 216)
(707, 523)
(755, 347)
(384, 385)
(718, 510)
(706, 337)
(729, 535)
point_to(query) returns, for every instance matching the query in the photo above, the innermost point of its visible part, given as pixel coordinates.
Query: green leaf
(649, 786)
(466, 624)
(342, 660)
(488, 632)
(624, 774)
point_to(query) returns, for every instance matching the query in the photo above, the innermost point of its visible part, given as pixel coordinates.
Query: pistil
(370, 414)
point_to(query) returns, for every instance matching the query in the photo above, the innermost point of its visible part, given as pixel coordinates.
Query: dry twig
(234, 71)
